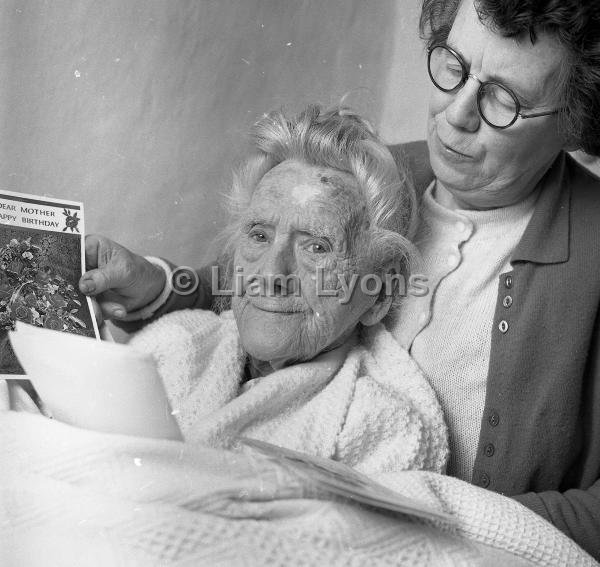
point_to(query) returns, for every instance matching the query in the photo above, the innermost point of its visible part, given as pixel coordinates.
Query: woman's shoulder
(584, 214)
(199, 358)
(585, 189)
(394, 421)
(385, 353)
(415, 157)
(390, 368)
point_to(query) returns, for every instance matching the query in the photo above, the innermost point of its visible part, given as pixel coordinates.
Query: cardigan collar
(546, 238)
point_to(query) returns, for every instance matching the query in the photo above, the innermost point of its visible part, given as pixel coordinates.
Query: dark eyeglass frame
(482, 84)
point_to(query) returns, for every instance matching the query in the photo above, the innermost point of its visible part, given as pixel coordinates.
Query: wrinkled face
(480, 166)
(297, 239)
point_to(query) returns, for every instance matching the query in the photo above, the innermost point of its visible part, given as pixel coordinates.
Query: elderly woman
(302, 359)
(509, 336)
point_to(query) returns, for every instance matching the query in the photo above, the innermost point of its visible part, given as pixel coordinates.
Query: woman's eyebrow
(317, 233)
(248, 222)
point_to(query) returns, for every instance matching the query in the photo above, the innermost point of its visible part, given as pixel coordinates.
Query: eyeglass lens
(496, 103)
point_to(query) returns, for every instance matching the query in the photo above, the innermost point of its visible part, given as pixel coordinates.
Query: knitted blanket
(75, 497)
(366, 404)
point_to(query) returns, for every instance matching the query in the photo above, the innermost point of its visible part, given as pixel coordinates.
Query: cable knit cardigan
(369, 406)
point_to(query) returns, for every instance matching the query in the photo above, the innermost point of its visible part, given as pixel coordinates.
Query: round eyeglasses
(498, 106)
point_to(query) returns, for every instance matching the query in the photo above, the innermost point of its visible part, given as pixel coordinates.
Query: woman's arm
(123, 283)
(574, 512)
(197, 295)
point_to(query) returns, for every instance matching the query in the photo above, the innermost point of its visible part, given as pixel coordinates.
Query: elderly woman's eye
(319, 248)
(258, 236)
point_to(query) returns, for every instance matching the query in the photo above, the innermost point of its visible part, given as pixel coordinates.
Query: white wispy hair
(340, 139)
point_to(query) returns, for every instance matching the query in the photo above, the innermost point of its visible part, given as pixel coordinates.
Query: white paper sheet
(102, 386)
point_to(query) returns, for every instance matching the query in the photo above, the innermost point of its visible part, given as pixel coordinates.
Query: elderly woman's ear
(385, 299)
(378, 311)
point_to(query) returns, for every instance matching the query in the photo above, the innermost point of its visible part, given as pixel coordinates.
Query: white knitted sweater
(372, 409)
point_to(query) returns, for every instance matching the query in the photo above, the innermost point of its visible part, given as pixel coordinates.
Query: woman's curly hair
(574, 23)
(340, 139)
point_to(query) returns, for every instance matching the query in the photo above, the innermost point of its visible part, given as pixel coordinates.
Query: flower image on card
(41, 261)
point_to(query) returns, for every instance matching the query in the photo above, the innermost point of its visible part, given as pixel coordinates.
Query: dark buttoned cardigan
(540, 432)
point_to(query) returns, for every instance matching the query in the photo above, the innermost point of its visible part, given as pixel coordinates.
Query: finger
(98, 281)
(112, 310)
(92, 243)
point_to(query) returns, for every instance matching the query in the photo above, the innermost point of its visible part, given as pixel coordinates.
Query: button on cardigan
(453, 345)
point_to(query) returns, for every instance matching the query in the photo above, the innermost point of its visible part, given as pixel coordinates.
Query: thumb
(112, 310)
(107, 310)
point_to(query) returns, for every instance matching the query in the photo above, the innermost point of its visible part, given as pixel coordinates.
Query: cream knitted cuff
(147, 311)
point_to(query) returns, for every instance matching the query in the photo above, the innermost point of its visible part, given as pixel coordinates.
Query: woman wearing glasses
(509, 332)
(510, 236)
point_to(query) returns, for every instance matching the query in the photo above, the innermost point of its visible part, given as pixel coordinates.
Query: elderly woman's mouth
(284, 305)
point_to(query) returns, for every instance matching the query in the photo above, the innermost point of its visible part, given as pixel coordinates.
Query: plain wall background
(140, 108)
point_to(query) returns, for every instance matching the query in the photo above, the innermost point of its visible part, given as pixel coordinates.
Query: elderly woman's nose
(462, 111)
(279, 260)
(278, 264)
